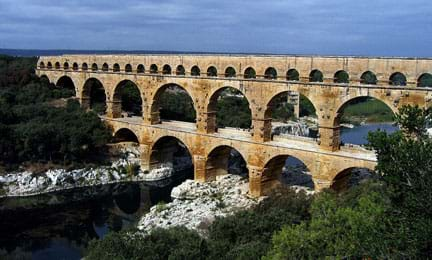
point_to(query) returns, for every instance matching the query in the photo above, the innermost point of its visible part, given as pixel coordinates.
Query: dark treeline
(36, 129)
(388, 216)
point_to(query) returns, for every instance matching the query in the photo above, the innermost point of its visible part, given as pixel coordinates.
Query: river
(60, 225)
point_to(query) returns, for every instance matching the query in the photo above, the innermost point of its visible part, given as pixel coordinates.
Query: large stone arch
(116, 97)
(67, 82)
(86, 92)
(211, 102)
(155, 96)
(217, 160)
(340, 178)
(123, 134)
(161, 150)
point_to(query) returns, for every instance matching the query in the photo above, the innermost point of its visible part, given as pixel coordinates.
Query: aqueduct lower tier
(198, 76)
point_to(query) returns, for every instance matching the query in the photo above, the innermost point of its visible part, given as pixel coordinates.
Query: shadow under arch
(173, 102)
(228, 107)
(94, 96)
(125, 135)
(66, 82)
(285, 170)
(171, 153)
(351, 177)
(127, 98)
(223, 160)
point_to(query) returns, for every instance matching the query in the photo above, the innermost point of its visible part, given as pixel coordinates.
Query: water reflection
(358, 134)
(60, 225)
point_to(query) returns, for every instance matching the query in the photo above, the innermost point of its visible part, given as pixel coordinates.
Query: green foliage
(339, 228)
(174, 243)
(233, 111)
(132, 169)
(306, 107)
(131, 98)
(33, 130)
(161, 206)
(282, 111)
(367, 109)
(177, 106)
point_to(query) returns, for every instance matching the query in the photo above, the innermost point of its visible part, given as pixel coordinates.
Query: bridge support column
(199, 168)
(329, 137)
(321, 184)
(294, 100)
(114, 109)
(145, 150)
(255, 184)
(261, 129)
(206, 122)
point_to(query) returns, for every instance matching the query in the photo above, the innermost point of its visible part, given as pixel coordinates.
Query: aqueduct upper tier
(328, 82)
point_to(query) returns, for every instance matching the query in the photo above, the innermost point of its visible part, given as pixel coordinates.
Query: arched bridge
(328, 82)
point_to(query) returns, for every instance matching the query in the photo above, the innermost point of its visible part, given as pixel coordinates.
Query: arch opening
(287, 171)
(316, 76)
(425, 80)
(125, 135)
(57, 65)
(65, 66)
(360, 115)
(94, 67)
(75, 66)
(172, 157)
(292, 114)
(351, 177)
(224, 160)
(368, 78)
(180, 70)
(398, 79)
(212, 71)
(42, 65)
(127, 101)
(140, 68)
(116, 68)
(293, 75)
(66, 82)
(250, 73)
(128, 68)
(105, 67)
(166, 70)
(49, 65)
(195, 71)
(173, 102)
(341, 77)
(93, 96)
(84, 66)
(270, 73)
(228, 108)
(153, 69)
(230, 72)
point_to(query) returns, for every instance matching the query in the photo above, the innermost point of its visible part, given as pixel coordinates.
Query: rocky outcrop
(196, 205)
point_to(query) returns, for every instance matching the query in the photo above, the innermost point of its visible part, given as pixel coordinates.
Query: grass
(368, 111)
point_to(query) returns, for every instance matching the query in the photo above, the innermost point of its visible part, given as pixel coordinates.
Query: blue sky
(340, 27)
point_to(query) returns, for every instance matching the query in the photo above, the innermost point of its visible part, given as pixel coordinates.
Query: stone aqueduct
(260, 78)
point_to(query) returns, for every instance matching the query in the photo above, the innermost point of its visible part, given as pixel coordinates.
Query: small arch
(127, 99)
(84, 66)
(42, 65)
(250, 73)
(425, 80)
(293, 75)
(125, 135)
(105, 67)
(285, 170)
(153, 69)
(140, 68)
(94, 67)
(128, 68)
(65, 66)
(223, 160)
(116, 67)
(166, 70)
(270, 73)
(75, 66)
(398, 79)
(316, 76)
(57, 65)
(195, 71)
(49, 65)
(212, 71)
(341, 77)
(180, 70)
(368, 78)
(351, 177)
(230, 72)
